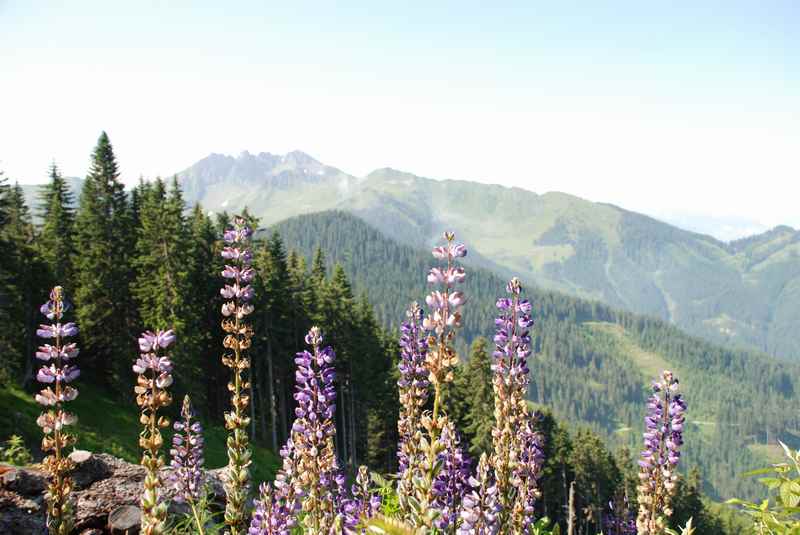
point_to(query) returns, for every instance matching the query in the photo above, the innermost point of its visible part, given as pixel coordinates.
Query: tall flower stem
(154, 377)
(55, 418)
(663, 438)
(238, 293)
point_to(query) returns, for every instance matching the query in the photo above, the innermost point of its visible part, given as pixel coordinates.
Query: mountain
(592, 363)
(744, 293)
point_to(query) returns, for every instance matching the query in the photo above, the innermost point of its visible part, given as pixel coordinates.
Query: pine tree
(477, 386)
(205, 267)
(25, 284)
(162, 285)
(55, 241)
(274, 333)
(104, 244)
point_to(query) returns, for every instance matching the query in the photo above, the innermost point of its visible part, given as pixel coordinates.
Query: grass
(111, 426)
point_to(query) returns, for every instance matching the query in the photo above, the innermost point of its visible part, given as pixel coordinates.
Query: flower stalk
(238, 293)
(187, 478)
(57, 375)
(663, 438)
(154, 376)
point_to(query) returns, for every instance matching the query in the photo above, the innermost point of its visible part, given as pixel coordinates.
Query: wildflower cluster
(276, 509)
(57, 372)
(517, 457)
(237, 293)
(663, 438)
(413, 391)
(154, 370)
(187, 456)
(439, 489)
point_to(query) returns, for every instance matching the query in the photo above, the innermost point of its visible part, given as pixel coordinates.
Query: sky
(689, 112)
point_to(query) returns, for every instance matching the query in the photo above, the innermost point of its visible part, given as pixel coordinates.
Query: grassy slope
(106, 425)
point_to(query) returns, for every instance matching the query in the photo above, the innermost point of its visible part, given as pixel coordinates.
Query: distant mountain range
(742, 293)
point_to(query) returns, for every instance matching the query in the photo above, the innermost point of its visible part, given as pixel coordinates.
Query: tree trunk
(272, 411)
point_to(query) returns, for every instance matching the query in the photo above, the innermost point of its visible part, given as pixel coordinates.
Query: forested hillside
(742, 294)
(592, 362)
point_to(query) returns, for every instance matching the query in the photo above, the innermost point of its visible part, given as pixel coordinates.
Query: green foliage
(591, 363)
(104, 244)
(55, 240)
(14, 452)
(778, 514)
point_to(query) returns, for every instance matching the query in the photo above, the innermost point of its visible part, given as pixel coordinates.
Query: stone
(104, 486)
(125, 520)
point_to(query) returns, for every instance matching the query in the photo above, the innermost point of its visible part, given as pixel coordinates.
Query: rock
(88, 468)
(125, 520)
(24, 481)
(104, 486)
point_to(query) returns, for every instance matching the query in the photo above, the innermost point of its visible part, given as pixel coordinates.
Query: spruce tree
(162, 287)
(476, 383)
(26, 284)
(55, 243)
(104, 244)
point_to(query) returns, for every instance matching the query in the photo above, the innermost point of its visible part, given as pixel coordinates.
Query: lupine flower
(451, 481)
(187, 477)
(237, 292)
(526, 474)
(445, 310)
(362, 506)
(154, 376)
(515, 458)
(55, 419)
(276, 509)
(313, 432)
(619, 519)
(663, 438)
(423, 467)
(413, 387)
(480, 508)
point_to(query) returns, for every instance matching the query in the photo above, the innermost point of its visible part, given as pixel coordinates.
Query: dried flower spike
(154, 370)
(663, 438)
(57, 373)
(238, 334)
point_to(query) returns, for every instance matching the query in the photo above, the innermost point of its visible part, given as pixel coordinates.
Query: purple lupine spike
(526, 474)
(480, 508)
(362, 506)
(413, 391)
(619, 519)
(663, 438)
(313, 432)
(276, 509)
(517, 448)
(57, 373)
(187, 478)
(154, 376)
(452, 480)
(237, 293)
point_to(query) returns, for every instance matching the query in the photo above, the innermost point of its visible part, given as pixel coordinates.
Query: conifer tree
(476, 384)
(161, 287)
(26, 282)
(55, 243)
(7, 334)
(103, 243)
(205, 267)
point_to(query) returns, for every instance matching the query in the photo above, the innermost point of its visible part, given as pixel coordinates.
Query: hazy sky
(692, 109)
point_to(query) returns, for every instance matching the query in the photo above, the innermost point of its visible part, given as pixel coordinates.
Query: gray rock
(125, 520)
